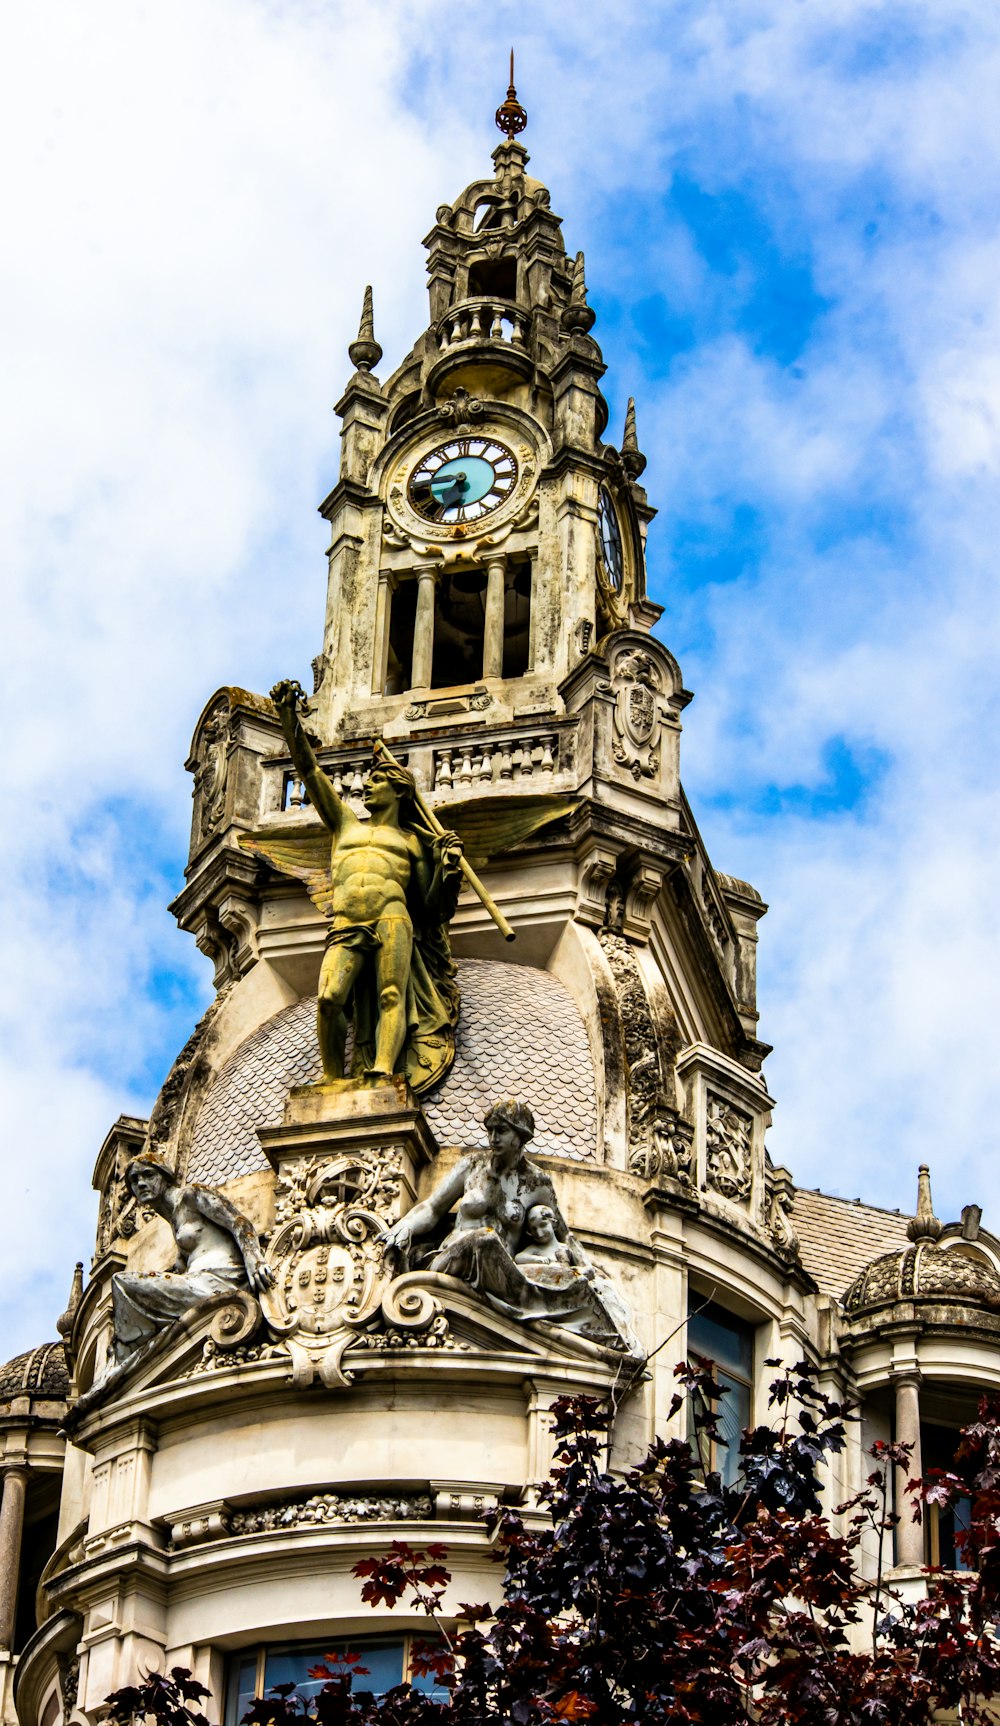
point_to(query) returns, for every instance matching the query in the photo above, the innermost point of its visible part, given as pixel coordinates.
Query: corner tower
(368, 1358)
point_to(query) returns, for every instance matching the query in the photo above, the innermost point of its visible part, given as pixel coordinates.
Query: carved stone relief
(318, 1509)
(68, 1666)
(333, 1289)
(325, 1256)
(659, 1142)
(211, 766)
(636, 683)
(118, 1216)
(670, 1151)
(327, 1507)
(778, 1221)
(729, 1148)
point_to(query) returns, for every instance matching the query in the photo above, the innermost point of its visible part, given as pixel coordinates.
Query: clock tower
(484, 538)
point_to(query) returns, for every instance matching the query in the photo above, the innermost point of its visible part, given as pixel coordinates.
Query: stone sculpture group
(388, 889)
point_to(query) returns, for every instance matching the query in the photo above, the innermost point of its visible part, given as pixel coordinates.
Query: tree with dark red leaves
(663, 1595)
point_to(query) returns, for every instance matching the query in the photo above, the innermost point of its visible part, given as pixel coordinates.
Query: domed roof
(41, 1372)
(925, 1272)
(519, 1033)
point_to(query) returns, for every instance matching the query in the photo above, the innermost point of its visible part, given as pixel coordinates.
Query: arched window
(728, 1342)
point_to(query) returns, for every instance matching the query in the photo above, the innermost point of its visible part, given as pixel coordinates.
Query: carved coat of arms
(636, 683)
(326, 1258)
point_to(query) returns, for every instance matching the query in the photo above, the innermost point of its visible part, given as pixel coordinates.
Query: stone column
(15, 1490)
(909, 1534)
(423, 628)
(493, 636)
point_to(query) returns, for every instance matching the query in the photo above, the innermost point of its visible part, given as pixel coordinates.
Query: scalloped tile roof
(519, 1033)
(41, 1372)
(839, 1237)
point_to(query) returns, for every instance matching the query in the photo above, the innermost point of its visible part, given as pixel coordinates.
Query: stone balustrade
(483, 320)
(348, 781)
(517, 758)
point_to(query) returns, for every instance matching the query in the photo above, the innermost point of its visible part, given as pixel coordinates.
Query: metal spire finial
(365, 352)
(510, 116)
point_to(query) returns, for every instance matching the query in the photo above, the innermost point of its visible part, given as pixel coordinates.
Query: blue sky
(790, 215)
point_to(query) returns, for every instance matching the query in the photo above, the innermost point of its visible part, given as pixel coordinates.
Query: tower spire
(365, 352)
(510, 116)
(633, 460)
(925, 1225)
(577, 316)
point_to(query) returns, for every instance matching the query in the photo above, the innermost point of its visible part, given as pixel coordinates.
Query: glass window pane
(722, 1338)
(732, 1417)
(242, 1687)
(384, 1661)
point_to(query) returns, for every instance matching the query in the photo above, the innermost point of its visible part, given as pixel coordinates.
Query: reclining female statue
(509, 1239)
(217, 1251)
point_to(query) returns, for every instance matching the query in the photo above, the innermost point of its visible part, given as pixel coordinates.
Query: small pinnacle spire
(64, 1323)
(510, 116)
(633, 460)
(925, 1225)
(365, 352)
(577, 316)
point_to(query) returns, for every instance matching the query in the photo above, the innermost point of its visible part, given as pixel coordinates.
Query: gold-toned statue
(396, 966)
(388, 887)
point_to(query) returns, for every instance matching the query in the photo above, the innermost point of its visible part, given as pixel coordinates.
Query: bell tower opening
(459, 629)
(402, 622)
(497, 281)
(517, 620)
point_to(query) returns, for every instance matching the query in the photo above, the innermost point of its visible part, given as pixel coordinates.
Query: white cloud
(201, 193)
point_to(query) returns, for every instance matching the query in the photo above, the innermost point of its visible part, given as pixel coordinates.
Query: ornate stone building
(191, 1478)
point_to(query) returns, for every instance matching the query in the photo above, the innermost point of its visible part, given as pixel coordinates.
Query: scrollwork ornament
(462, 409)
(779, 1223)
(669, 1150)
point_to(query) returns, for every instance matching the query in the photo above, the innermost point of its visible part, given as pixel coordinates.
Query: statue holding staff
(388, 887)
(394, 885)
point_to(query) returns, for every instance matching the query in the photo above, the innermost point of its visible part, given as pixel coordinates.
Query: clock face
(462, 480)
(610, 537)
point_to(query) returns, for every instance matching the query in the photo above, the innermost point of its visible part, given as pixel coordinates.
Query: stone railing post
(15, 1491)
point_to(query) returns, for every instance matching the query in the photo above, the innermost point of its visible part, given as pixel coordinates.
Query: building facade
(202, 1502)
